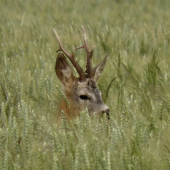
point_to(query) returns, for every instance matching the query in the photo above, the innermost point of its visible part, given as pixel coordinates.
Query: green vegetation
(135, 85)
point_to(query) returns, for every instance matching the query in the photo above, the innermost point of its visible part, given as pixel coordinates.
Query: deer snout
(106, 111)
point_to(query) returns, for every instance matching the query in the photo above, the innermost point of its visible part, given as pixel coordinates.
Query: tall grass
(135, 85)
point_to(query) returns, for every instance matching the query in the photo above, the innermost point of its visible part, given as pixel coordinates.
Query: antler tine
(89, 54)
(85, 45)
(71, 58)
(61, 47)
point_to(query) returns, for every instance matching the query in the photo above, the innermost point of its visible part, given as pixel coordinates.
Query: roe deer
(81, 92)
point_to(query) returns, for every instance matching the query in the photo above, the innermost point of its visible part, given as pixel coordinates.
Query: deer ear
(64, 71)
(97, 70)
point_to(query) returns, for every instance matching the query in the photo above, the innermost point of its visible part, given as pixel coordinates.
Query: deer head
(81, 92)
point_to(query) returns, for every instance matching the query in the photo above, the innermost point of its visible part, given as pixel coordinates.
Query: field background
(135, 85)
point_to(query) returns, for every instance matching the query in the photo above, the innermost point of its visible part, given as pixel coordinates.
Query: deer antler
(71, 58)
(89, 55)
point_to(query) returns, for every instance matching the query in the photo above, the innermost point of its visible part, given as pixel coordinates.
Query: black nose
(107, 111)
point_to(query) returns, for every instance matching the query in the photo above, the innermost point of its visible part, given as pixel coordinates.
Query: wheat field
(135, 34)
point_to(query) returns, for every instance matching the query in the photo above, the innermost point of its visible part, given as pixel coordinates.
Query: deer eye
(84, 97)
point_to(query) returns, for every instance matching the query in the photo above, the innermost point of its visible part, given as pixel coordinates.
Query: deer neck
(68, 109)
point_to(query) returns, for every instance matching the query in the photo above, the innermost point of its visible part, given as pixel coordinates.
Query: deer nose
(107, 111)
